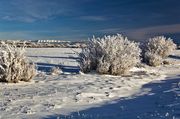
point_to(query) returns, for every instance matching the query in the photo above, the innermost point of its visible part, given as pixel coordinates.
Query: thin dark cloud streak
(93, 18)
(144, 33)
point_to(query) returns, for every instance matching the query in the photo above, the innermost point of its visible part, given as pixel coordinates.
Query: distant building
(52, 41)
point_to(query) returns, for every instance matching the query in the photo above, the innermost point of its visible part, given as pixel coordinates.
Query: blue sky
(80, 19)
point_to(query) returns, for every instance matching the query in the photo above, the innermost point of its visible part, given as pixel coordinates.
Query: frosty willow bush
(14, 66)
(158, 48)
(113, 55)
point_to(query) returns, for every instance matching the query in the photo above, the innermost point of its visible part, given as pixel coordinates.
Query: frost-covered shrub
(110, 55)
(158, 48)
(153, 59)
(85, 63)
(14, 66)
(160, 45)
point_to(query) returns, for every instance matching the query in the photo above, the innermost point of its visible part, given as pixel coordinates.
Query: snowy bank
(98, 95)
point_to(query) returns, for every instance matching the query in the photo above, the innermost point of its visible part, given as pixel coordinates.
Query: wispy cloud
(28, 19)
(93, 18)
(110, 30)
(16, 35)
(59, 34)
(144, 33)
(32, 10)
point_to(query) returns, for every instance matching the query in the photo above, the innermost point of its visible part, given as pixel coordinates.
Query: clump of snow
(55, 71)
(14, 66)
(114, 55)
(158, 48)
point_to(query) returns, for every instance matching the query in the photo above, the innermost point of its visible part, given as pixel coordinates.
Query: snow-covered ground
(145, 93)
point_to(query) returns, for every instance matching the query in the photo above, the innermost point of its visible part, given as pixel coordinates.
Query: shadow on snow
(46, 67)
(69, 57)
(175, 57)
(161, 102)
